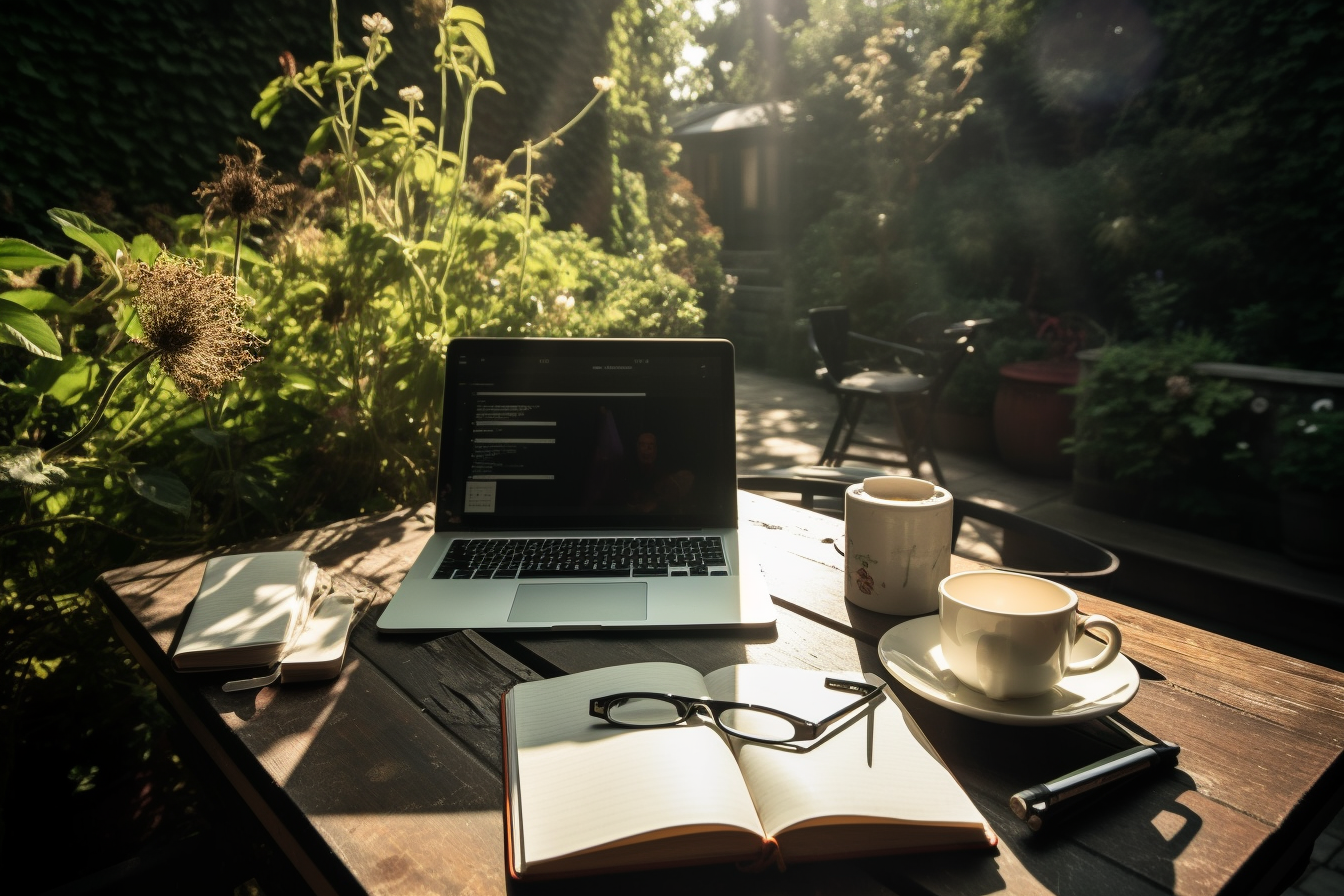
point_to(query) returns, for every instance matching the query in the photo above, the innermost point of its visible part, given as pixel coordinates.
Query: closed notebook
(585, 797)
(250, 608)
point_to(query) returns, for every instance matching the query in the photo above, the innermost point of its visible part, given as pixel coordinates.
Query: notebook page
(876, 767)
(247, 600)
(584, 783)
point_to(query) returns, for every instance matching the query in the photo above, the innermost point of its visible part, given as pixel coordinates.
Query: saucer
(913, 653)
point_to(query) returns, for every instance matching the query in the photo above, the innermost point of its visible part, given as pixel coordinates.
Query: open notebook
(586, 797)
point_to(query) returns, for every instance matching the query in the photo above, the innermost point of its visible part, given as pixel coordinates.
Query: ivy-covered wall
(120, 106)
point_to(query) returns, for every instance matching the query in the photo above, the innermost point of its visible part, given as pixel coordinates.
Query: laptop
(585, 484)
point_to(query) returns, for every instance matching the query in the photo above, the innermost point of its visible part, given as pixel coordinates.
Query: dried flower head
(603, 83)
(192, 319)
(411, 94)
(243, 191)
(1179, 386)
(427, 13)
(377, 23)
(288, 65)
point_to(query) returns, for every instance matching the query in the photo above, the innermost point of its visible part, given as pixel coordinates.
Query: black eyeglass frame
(803, 730)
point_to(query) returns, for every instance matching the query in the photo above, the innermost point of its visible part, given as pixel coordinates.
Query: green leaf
(217, 440)
(318, 141)
(465, 14)
(344, 65)
(145, 248)
(66, 380)
(21, 327)
(18, 255)
(126, 315)
(36, 300)
(162, 487)
(24, 467)
(82, 230)
(476, 37)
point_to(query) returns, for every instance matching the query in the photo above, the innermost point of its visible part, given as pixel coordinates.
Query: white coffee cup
(1012, 635)
(898, 544)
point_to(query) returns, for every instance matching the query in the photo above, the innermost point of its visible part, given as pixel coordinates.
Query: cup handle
(1089, 623)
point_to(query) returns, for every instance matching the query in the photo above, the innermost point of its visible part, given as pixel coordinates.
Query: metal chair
(908, 378)
(1028, 546)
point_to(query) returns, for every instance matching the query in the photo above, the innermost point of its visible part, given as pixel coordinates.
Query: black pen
(1035, 804)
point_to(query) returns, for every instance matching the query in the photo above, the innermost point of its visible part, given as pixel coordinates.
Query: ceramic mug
(898, 544)
(1012, 635)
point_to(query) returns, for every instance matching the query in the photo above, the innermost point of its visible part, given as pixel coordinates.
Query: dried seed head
(377, 23)
(411, 94)
(194, 320)
(288, 65)
(242, 192)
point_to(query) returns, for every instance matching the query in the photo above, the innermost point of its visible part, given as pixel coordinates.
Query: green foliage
(357, 279)
(1144, 415)
(1311, 443)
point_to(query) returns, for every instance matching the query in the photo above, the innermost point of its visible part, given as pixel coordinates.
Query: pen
(1036, 804)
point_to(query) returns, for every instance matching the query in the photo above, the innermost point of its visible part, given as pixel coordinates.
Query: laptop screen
(588, 433)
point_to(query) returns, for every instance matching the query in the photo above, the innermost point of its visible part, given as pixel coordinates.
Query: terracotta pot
(1031, 416)
(964, 433)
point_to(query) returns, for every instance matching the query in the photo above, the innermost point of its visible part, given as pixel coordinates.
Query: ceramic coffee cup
(898, 544)
(1012, 635)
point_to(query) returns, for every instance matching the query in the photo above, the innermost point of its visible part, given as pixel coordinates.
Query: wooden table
(387, 780)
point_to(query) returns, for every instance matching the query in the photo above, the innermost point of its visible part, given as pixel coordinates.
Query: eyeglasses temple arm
(840, 685)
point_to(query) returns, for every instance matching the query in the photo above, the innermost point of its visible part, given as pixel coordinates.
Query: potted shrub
(1148, 439)
(1308, 468)
(1033, 411)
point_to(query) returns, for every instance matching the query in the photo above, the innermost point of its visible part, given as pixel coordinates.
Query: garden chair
(1028, 546)
(908, 377)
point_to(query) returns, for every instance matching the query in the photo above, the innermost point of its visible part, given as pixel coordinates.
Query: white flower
(411, 94)
(1242, 446)
(1259, 404)
(603, 83)
(1322, 404)
(1310, 429)
(377, 23)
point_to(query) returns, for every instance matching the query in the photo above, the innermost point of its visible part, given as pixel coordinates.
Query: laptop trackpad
(575, 602)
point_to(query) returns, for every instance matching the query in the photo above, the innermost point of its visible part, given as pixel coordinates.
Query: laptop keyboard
(583, 558)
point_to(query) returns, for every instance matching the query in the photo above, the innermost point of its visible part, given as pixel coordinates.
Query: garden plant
(277, 363)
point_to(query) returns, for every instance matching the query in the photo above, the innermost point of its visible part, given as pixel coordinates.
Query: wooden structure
(387, 780)
(735, 156)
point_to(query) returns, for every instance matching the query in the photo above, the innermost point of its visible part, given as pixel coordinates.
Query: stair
(759, 306)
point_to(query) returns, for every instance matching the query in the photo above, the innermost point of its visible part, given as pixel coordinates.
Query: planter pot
(1031, 417)
(1312, 528)
(971, 434)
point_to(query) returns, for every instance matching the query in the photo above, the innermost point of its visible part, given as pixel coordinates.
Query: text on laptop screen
(587, 433)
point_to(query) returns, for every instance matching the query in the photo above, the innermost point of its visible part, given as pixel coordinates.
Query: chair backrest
(947, 340)
(1028, 546)
(1040, 550)
(828, 336)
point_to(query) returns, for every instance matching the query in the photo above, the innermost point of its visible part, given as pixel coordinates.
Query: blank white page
(247, 600)
(583, 783)
(877, 767)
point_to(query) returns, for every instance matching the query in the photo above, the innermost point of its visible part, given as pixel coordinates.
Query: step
(745, 258)
(760, 298)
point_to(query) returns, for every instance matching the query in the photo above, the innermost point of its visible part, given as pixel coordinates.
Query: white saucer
(913, 653)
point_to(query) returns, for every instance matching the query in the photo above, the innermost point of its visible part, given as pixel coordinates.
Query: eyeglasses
(637, 709)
